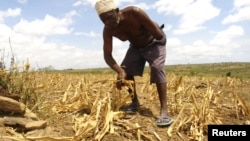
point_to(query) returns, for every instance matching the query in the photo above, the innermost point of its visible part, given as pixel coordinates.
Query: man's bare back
(131, 24)
(133, 27)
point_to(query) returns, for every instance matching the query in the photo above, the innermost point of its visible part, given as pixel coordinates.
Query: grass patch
(236, 70)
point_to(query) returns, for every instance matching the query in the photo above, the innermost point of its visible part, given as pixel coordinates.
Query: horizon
(216, 63)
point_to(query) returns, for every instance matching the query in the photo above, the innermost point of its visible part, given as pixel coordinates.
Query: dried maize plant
(22, 83)
(148, 89)
(195, 114)
(98, 123)
(202, 115)
(121, 97)
(177, 94)
(104, 117)
(22, 137)
(231, 89)
(203, 104)
(75, 98)
(240, 106)
(91, 103)
(103, 100)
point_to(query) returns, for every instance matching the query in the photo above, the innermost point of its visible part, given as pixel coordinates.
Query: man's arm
(108, 57)
(150, 25)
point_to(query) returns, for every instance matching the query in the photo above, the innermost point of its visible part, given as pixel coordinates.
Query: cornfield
(85, 107)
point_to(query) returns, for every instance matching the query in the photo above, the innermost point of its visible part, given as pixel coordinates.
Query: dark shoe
(164, 121)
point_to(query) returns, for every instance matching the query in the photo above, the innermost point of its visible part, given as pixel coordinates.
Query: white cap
(103, 6)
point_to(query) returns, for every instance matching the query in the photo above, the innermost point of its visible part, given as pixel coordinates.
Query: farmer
(147, 44)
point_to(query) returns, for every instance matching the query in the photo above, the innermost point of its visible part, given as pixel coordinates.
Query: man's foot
(164, 121)
(130, 109)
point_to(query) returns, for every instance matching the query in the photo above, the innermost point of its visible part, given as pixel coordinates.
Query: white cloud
(194, 13)
(197, 52)
(5, 31)
(240, 12)
(83, 2)
(176, 7)
(42, 53)
(143, 6)
(22, 1)
(49, 25)
(240, 3)
(90, 34)
(92, 2)
(225, 46)
(9, 13)
(173, 42)
(226, 36)
(119, 2)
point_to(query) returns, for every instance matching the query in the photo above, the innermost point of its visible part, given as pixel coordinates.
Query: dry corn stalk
(201, 116)
(194, 108)
(240, 104)
(21, 137)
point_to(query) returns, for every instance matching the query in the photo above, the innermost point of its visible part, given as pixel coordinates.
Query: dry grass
(88, 104)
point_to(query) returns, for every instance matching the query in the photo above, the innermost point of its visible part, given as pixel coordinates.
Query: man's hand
(121, 76)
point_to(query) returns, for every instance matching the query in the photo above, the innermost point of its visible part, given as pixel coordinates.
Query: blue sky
(68, 34)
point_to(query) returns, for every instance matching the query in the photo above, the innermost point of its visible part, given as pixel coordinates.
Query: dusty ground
(224, 108)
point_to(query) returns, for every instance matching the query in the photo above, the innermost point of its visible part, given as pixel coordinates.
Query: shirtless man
(147, 44)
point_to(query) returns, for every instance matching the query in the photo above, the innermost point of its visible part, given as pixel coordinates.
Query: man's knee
(158, 75)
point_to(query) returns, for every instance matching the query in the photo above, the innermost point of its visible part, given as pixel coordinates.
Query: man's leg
(164, 119)
(162, 92)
